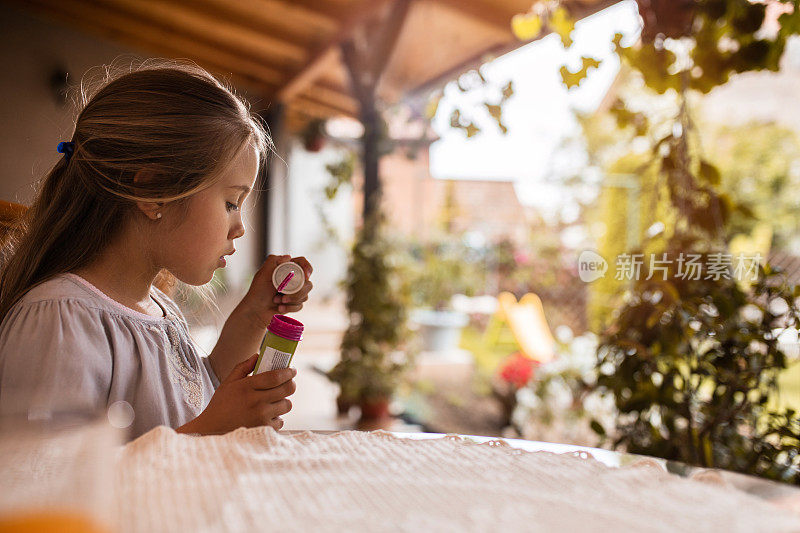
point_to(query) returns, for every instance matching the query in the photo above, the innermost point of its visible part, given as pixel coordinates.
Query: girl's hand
(246, 401)
(244, 329)
(263, 300)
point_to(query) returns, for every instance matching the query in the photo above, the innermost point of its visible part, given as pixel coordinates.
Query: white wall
(296, 227)
(32, 122)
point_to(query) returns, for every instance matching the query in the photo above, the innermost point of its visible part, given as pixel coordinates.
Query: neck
(123, 272)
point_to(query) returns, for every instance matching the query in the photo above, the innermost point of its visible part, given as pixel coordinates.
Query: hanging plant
(692, 362)
(668, 18)
(313, 135)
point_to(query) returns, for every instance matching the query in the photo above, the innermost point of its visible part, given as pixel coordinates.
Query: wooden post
(275, 119)
(371, 157)
(365, 67)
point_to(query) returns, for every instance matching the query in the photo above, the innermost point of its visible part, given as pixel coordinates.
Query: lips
(222, 262)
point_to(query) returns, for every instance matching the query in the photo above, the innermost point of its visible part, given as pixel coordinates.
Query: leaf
(496, 112)
(432, 106)
(455, 119)
(710, 173)
(508, 91)
(654, 317)
(526, 26)
(598, 428)
(562, 24)
(790, 23)
(749, 19)
(573, 79)
(455, 122)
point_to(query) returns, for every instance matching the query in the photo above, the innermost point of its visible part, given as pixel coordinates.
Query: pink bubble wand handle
(285, 281)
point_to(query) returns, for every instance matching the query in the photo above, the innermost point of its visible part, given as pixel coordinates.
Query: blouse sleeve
(56, 361)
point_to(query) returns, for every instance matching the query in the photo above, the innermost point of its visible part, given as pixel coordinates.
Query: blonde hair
(169, 117)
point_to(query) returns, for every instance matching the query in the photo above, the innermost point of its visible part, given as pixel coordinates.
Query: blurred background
(500, 200)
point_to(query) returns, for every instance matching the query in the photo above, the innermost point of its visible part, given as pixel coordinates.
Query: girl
(150, 189)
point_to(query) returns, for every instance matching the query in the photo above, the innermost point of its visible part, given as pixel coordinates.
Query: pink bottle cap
(288, 328)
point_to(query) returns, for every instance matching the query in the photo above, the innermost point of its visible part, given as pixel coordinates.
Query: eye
(231, 207)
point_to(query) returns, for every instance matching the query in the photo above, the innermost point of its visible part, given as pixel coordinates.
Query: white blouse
(68, 350)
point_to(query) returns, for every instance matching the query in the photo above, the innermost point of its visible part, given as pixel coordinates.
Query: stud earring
(158, 215)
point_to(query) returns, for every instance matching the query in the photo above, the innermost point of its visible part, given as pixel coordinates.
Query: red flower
(517, 370)
(521, 258)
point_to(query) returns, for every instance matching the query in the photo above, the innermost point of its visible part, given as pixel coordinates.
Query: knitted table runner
(260, 480)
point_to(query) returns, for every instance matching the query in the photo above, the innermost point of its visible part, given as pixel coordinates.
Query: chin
(195, 278)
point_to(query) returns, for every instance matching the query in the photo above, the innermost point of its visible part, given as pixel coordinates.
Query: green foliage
(341, 173)
(693, 363)
(758, 169)
(693, 366)
(474, 81)
(487, 355)
(633, 199)
(693, 374)
(718, 38)
(547, 15)
(371, 366)
(442, 268)
(313, 135)
(573, 79)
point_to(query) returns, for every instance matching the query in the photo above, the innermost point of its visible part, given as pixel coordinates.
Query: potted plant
(372, 361)
(313, 135)
(441, 269)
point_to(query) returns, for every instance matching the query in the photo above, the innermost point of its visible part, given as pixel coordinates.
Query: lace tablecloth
(261, 480)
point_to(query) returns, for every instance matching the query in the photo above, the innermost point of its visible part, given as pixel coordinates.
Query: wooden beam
(322, 101)
(384, 47)
(317, 109)
(365, 64)
(296, 120)
(258, 46)
(270, 17)
(307, 74)
(335, 97)
(325, 54)
(496, 51)
(366, 54)
(104, 22)
(484, 12)
(316, 8)
(360, 84)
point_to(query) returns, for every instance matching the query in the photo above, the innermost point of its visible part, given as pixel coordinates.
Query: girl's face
(193, 248)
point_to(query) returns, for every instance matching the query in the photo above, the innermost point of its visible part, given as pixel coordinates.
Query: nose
(236, 231)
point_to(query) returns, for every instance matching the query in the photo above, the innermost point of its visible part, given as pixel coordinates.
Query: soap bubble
(120, 414)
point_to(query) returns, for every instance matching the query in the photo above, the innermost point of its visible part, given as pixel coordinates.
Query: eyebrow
(243, 188)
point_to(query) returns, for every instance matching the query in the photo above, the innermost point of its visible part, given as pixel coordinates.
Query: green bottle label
(275, 352)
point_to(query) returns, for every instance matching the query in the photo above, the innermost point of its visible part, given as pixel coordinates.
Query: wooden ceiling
(289, 50)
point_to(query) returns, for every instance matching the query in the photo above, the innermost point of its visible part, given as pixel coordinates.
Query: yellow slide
(527, 323)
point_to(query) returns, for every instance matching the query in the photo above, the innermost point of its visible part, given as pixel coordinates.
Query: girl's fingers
(304, 264)
(300, 296)
(295, 300)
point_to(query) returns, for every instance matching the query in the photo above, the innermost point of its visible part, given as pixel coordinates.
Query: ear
(151, 210)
